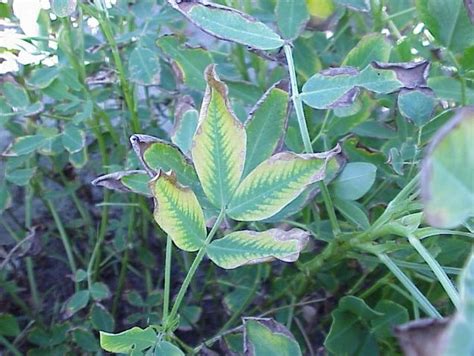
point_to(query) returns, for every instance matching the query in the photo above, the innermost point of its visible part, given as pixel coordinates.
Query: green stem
(305, 135)
(193, 268)
(127, 93)
(408, 284)
(8, 345)
(29, 261)
(437, 270)
(64, 239)
(166, 300)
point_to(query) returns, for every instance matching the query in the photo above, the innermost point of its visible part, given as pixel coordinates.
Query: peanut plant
(319, 199)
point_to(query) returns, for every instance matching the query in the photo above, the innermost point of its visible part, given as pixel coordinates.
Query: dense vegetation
(266, 177)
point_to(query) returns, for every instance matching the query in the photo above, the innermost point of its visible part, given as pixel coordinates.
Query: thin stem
(408, 284)
(193, 268)
(305, 135)
(297, 100)
(166, 300)
(29, 261)
(127, 93)
(437, 270)
(64, 239)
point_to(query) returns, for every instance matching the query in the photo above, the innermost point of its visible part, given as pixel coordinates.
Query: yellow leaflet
(219, 143)
(178, 212)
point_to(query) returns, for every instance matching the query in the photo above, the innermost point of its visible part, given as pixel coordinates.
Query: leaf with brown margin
(219, 144)
(229, 24)
(178, 212)
(264, 336)
(247, 247)
(411, 74)
(135, 181)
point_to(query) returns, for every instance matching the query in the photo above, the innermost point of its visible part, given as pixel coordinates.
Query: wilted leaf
(265, 126)
(447, 183)
(249, 247)
(291, 17)
(178, 212)
(134, 341)
(264, 336)
(219, 144)
(134, 181)
(156, 154)
(229, 24)
(412, 75)
(276, 182)
(423, 337)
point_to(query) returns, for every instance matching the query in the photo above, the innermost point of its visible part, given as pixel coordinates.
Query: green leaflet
(336, 87)
(265, 127)
(133, 341)
(417, 105)
(219, 143)
(178, 212)
(185, 122)
(447, 183)
(248, 247)
(144, 66)
(291, 16)
(191, 62)
(166, 348)
(229, 24)
(355, 180)
(276, 182)
(125, 181)
(371, 47)
(156, 154)
(463, 323)
(447, 20)
(264, 336)
(73, 139)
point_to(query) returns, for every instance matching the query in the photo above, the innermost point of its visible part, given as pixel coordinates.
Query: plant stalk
(166, 300)
(193, 268)
(298, 104)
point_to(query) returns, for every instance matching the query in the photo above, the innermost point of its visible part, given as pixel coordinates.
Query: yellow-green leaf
(178, 212)
(134, 340)
(276, 182)
(249, 247)
(219, 143)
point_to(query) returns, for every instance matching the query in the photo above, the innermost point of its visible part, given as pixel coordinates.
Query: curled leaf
(134, 181)
(229, 24)
(411, 74)
(249, 247)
